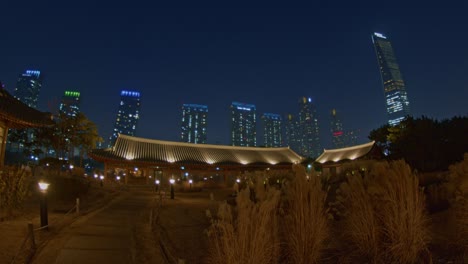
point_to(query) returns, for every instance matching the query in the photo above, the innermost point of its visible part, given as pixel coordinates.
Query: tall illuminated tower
(309, 129)
(338, 134)
(243, 125)
(70, 104)
(28, 87)
(396, 98)
(127, 116)
(194, 123)
(293, 137)
(272, 130)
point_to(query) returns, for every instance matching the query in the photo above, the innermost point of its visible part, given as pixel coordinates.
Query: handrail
(30, 235)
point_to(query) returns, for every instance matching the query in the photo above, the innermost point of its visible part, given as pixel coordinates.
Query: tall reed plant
(306, 221)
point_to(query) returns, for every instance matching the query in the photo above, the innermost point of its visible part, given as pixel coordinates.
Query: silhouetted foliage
(426, 144)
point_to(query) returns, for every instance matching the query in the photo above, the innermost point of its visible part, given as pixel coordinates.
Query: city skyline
(213, 55)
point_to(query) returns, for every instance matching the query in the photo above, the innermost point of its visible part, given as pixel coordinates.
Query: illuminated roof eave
(342, 154)
(130, 149)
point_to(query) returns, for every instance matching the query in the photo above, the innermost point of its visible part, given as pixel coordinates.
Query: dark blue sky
(215, 53)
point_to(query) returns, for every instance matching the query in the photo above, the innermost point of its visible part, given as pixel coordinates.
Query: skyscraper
(396, 98)
(338, 134)
(293, 137)
(127, 116)
(28, 87)
(309, 129)
(243, 125)
(272, 130)
(194, 118)
(70, 104)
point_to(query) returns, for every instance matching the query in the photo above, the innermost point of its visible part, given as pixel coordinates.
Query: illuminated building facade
(396, 98)
(194, 123)
(272, 130)
(127, 115)
(293, 139)
(309, 129)
(243, 125)
(338, 134)
(28, 86)
(70, 104)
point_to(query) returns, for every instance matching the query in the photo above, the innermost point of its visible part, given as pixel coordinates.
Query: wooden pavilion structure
(167, 159)
(17, 115)
(332, 160)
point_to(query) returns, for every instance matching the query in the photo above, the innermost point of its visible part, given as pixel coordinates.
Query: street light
(190, 182)
(172, 181)
(43, 203)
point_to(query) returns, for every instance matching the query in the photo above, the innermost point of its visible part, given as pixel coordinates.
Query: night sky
(215, 53)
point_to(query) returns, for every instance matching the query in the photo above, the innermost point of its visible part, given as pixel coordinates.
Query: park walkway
(118, 233)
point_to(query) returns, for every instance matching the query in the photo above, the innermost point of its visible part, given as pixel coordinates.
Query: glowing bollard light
(157, 185)
(172, 181)
(43, 186)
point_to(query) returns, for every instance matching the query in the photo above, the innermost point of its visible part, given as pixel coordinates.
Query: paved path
(118, 233)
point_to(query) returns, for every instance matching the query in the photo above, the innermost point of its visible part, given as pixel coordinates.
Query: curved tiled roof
(19, 115)
(129, 148)
(350, 153)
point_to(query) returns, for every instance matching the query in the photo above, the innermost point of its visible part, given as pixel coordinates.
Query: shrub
(14, 188)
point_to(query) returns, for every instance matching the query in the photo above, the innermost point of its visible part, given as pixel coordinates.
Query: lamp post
(190, 182)
(172, 181)
(43, 203)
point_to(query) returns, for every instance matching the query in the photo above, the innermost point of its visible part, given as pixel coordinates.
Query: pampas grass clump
(385, 218)
(249, 236)
(306, 221)
(459, 185)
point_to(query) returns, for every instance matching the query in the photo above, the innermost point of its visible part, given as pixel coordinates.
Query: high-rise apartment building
(272, 130)
(352, 137)
(127, 115)
(338, 134)
(243, 125)
(309, 129)
(28, 87)
(194, 123)
(70, 104)
(396, 98)
(293, 137)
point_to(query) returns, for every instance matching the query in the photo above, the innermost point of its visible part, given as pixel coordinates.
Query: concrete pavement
(119, 233)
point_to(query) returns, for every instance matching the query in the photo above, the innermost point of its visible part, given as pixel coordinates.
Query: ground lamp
(172, 181)
(190, 182)
(43, 203)
(157, 184)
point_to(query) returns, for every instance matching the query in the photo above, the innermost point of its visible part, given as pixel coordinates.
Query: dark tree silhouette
(426, 144)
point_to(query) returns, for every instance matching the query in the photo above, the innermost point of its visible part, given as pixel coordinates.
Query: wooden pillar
(105, 170)
(4, 142)
(146, 172)
(127, 174)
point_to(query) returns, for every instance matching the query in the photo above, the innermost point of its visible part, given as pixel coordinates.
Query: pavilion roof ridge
(186, 144)
(368, 144)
